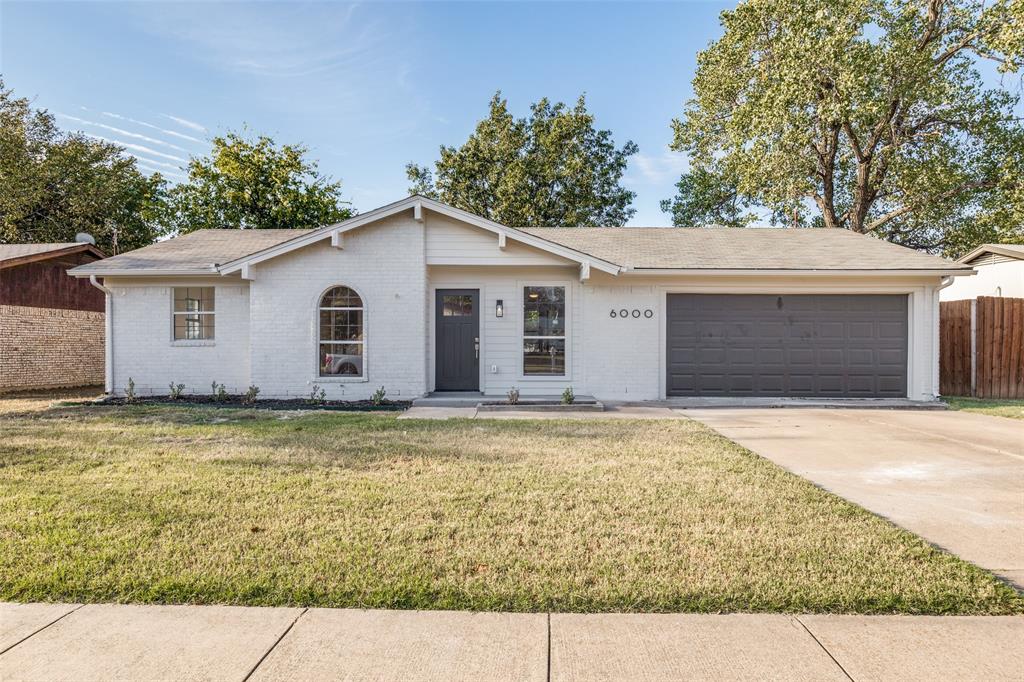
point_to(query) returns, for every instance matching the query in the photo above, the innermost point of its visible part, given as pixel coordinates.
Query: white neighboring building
(418, 297)
(1000, 273)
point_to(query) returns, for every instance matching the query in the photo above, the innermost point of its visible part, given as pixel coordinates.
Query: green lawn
(1014, 409)
(205, 505)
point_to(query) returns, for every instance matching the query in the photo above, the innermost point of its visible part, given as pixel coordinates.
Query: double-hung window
(544, 331)
(193, 313)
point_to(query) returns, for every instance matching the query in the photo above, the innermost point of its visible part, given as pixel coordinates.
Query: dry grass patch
(200, 505)
(1014, 409)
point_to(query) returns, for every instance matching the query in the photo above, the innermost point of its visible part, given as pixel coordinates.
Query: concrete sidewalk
(107, 641)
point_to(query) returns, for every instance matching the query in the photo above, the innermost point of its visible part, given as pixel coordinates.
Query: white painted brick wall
(267, 328)
(145, 351)
(622, 353)
(384, 263)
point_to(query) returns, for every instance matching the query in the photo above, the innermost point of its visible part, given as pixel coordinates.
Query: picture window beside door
(544, 331)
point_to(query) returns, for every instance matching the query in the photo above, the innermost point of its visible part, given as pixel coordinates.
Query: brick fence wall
(49, 348)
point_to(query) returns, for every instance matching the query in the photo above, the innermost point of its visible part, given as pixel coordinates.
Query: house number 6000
(635, 313)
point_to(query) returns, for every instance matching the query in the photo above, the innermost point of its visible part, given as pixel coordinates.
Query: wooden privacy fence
(982, 347)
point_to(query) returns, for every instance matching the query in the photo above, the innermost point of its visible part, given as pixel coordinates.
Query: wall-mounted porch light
(499, 308)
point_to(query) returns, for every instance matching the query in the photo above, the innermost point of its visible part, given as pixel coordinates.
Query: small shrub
(220, 392)
(129, 391)
(250, 396)
(318, 396)
(513, 396)
(176, 390)
(568, 397)
(378, 396)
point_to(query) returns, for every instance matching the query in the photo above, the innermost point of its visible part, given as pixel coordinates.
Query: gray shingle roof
(633, 247)
(199, 250)
(9, 251)
(740, 248)
(25, 252)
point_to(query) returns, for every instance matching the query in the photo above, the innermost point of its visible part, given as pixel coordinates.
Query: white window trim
(174, 313)
(339, 378)
(521, 318)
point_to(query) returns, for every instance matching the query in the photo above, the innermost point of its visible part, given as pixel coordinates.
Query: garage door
(800, 345)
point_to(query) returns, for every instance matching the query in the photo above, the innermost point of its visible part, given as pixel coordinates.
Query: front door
(457, 315)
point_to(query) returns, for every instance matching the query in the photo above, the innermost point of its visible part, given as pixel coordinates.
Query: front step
(579, 405)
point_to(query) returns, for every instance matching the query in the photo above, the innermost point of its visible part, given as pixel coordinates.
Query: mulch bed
(270, 404)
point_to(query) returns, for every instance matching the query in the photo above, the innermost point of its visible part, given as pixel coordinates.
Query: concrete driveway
(954, 478)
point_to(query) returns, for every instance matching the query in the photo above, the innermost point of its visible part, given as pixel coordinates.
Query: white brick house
(419, 297)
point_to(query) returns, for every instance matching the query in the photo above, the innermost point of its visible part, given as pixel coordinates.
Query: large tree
(706, 198)
(869, 115)
(252, 183)
(553, 168)
(54, 184)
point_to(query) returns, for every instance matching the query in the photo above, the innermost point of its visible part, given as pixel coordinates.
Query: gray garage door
(799, 345)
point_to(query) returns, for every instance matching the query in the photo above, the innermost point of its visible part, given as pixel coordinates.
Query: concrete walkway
(954, 478)
(124, 642)
(611, 411)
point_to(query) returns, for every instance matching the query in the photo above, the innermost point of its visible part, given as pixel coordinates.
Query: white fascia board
(990, 248)
(411, 203)
(317, 235)
(754, 272)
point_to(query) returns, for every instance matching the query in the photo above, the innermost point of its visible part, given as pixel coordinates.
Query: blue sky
(368, 87)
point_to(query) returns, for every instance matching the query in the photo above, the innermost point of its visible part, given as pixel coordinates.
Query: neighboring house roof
(198, 252)
(1012, 251)
(20, 254)
(729, 248)
(611, 249)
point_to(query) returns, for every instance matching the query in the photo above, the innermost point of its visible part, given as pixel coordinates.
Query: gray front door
(457, 315)
(790, 345)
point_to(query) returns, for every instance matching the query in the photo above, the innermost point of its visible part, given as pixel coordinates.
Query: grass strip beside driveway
(186, 505)
(1014, 409)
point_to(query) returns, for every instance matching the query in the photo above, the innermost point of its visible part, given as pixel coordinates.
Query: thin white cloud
(283, 40)
(321, 59)
(121, 131)
(138, 148)
(166, 173)
(657, 170)
(153, 162)
(186, 123)
(137, 122)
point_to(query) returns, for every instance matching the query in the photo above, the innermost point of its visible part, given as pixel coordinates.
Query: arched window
(341, 333)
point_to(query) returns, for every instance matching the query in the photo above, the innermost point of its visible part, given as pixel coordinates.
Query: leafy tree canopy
(869, 115)
(553, 168)
(55, 184)
(254, 184)
(706, 198)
